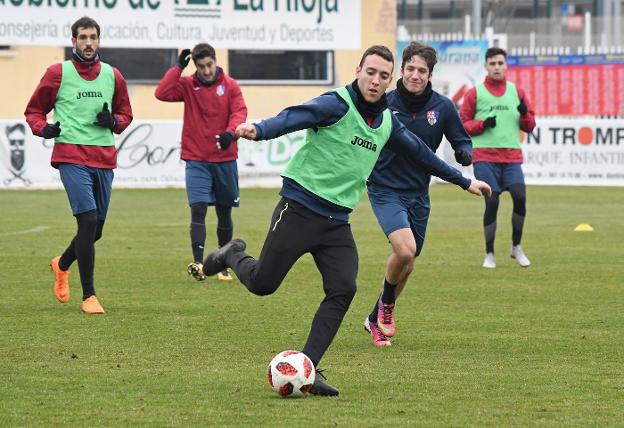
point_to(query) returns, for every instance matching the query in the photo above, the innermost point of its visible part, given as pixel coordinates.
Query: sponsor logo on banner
(562, 152)
(16, 137)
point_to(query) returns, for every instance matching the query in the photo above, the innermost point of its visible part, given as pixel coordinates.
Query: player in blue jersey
(398, 190)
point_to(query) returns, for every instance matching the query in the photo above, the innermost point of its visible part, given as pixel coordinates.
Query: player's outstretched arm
(478, 187)
(247, 130)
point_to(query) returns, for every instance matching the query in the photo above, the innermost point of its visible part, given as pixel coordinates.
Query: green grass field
(506, 347)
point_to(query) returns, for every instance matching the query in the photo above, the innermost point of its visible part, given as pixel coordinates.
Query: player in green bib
(494, 113)
(90, 102)
(346, 130)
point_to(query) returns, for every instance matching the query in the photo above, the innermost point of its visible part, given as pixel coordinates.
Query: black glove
(463, 157)
(51, 131)
(105, 118)
(184, 58)
(522, 107)
(224, 140)
(489, 122)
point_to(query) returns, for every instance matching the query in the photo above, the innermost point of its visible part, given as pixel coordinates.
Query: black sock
(84, 247)
(372, 317)
(389, 293)
(489, 221)
(518, 196)
(198, 230)
(69, 256)
(225, 227)
(198, 240)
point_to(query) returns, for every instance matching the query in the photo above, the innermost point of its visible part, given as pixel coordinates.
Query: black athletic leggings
(295, 231)
(518, 197)
(197, 229)
(82, 248)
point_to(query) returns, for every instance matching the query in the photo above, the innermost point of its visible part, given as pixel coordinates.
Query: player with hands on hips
(209, 147)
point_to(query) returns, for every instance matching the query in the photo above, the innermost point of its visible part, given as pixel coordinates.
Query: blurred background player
(493, 113)
(213, 108)
(346, 130)
(398, 190)
(80, 92)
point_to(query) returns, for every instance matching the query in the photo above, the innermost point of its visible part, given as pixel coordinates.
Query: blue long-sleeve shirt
(328, 109)
(437, 118)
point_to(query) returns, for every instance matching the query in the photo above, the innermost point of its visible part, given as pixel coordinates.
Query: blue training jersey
(437, 118)
(328, 109)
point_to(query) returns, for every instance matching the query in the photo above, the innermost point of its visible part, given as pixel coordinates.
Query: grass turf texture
(474, 347)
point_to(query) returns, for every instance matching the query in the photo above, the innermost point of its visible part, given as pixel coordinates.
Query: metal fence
(585, 33)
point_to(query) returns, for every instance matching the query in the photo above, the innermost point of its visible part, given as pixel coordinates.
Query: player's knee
(519, 199)
(343, 287)
(87, 223)
(198, 212)
(344, 294)
(262, 288)
(350, 290)
(491, 204)
(405, 254)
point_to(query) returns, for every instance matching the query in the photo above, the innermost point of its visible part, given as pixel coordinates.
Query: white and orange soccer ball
(291, 374)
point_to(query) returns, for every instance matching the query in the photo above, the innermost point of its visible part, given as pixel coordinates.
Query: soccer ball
(291, 374)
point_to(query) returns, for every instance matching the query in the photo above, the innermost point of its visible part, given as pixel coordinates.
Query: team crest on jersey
(220, 90)
(432, 117)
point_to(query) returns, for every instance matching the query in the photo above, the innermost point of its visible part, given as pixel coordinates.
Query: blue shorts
(87, 188)
(396, 211)
(500, 176)
(212, 183)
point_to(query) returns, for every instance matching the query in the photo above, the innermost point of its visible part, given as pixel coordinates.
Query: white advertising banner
(227, 24)
(148, 156)
(558, 152)
(587, 152)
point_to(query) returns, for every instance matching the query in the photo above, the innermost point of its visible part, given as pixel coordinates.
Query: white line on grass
(21, 232)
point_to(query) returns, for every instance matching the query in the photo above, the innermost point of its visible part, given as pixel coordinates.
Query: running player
(90, 102)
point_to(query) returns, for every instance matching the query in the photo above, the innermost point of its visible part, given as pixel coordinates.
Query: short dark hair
(203, 50)
(426, 52)
(84, 22)
(380, 50)
(495, 51)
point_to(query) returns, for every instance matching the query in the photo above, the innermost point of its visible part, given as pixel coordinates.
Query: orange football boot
(92, 306)
(61, 281)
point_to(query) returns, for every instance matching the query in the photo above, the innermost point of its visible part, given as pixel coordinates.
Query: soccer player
(346, 130)
(90, 102)
(213, 108)
(493, 113)
(398, 191)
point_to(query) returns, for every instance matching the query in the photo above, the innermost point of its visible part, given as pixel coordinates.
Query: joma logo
(357, 141)
(89, 94)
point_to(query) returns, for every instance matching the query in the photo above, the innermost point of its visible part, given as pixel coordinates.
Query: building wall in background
(21, 68)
